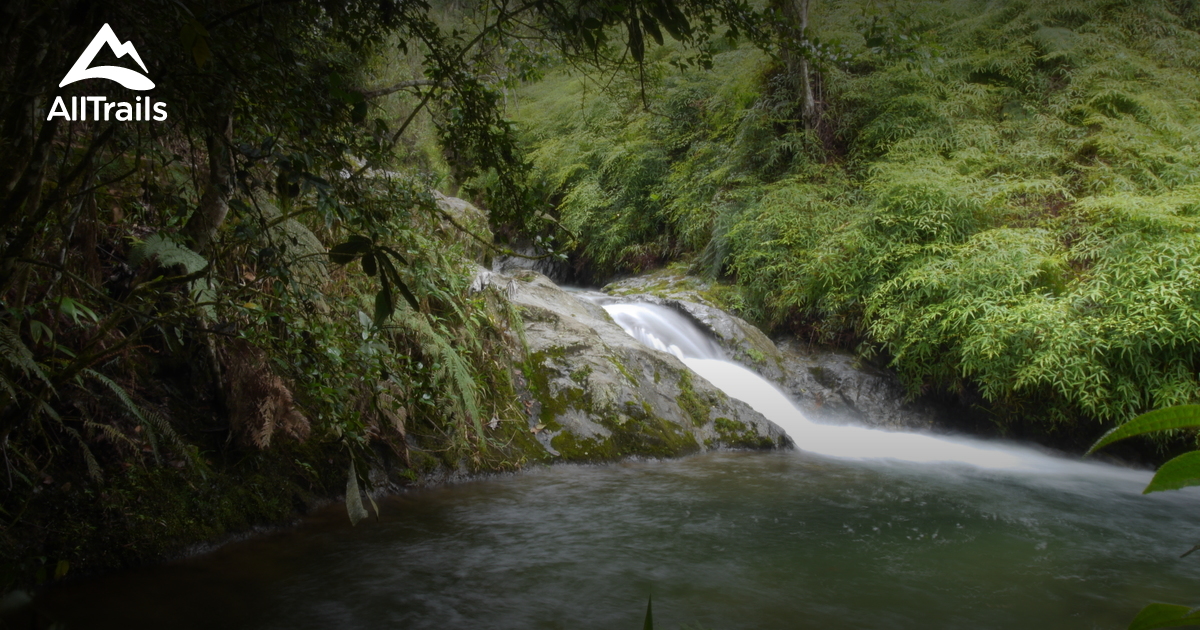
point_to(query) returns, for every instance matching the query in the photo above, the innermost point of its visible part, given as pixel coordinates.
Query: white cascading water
(665, 329)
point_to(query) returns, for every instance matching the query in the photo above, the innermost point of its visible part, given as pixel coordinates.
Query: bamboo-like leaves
(1180, 417)
(376, 259)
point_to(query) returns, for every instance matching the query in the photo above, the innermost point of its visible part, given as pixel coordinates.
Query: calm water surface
(724, 540)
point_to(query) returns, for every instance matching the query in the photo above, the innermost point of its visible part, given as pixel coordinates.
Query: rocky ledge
(593, 393)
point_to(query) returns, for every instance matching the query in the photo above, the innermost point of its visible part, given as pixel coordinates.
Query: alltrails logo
(101, 109)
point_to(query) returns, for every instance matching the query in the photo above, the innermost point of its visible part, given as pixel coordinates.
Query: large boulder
(835, 386)
(592, 392)
(741, 341)
(827, 385)
(466, 225)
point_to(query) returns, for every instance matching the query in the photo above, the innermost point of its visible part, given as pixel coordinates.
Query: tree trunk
(214, 204)
(794, 33)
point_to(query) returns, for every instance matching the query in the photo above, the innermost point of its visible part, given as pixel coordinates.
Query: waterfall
(666, 329)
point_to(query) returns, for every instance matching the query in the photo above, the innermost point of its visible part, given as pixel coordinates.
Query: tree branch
(370, 94)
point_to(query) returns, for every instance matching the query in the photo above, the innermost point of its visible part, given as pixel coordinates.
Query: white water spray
(665, 329)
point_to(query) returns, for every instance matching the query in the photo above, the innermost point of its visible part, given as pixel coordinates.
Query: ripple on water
(730, 540)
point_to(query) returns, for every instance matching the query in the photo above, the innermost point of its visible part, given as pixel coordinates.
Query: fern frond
(455, 370)
(92, 465)
(111, 432)
(167, 252)
(19, 356)
(154, 424)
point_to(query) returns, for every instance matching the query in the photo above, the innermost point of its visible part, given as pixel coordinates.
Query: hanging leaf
(345, 253)
(374, 505)
(354, 504)
(390, 269)
(1165, 616)
(636, 46)
(1181, 417)
(368, 263)
(408, 295)
(671, 18)
(1178, 473)
(648, 624)
(394, 254)
(384, 307)
(194, 38)
(651, 27)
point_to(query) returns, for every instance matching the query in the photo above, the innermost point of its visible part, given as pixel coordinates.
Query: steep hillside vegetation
(994, 197)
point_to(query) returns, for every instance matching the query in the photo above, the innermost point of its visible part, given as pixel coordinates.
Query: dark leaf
(636, 47)
(408, 295)
(344, 253)
(651, 27)
(389, 270)
(384, 307)
(394, 254)
(368, 263)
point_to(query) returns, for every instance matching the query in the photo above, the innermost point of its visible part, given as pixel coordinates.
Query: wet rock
(594, 393)
(461, 215)
(834, 386)
(741, 341)
(828, 385)
(670, 282)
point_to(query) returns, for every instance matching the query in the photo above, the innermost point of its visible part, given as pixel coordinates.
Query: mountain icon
(126, 77)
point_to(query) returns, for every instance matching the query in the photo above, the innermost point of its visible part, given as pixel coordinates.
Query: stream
(856, 528)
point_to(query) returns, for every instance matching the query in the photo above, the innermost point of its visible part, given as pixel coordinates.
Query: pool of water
(722, 540)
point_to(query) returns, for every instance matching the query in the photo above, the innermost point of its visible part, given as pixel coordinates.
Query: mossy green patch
(690, 402)
(581, 375)
(738, 434)
(622, 369)
(553, 404)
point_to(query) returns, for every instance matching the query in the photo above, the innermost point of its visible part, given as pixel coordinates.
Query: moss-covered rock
(742, 341)
(595, 393)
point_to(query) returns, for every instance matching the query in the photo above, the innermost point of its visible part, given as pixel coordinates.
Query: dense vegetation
(212, 320)
(995, 198)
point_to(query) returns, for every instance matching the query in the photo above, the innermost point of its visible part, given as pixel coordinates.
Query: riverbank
(720, 539)
(150, 515)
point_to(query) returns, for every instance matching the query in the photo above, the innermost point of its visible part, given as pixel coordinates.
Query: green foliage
(163, 284)
(999, 197)
(1165, 616)
(1166, 419)
(1177, 473)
